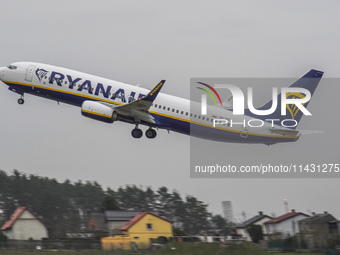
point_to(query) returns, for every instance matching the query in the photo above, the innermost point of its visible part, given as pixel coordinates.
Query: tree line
(65, 206)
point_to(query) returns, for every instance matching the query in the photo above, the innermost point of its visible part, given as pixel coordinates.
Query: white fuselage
(169, 112)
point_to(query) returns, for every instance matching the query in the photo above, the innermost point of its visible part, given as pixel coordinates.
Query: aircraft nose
(2, 73)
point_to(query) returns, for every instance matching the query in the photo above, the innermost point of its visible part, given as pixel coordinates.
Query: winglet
(154, 92)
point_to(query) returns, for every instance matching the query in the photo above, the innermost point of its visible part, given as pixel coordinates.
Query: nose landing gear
(21, 99)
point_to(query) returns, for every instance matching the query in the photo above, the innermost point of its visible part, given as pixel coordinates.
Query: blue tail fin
(308, 81)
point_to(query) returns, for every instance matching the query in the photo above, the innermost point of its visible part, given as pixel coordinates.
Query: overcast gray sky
(142, 42)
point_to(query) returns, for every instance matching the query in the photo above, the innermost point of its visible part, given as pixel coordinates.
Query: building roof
(137, 218)
(13, 218)
(284, 217)
(253, 220)
(320, 217)
(16, 215)
(120, 215)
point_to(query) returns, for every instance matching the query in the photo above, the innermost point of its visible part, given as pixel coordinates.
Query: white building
(284, 225)
(24, 225)
(227, 210)
(259, 220)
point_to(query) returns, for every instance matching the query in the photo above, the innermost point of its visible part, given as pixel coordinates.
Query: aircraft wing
(139, 109)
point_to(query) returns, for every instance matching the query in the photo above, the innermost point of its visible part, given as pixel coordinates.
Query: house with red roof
(285, 225)
(139, 232)
(24, 225)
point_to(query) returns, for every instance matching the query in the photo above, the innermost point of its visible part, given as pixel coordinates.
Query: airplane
(109, 101)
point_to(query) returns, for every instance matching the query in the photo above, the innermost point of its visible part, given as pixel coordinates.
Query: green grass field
(169, 249)
(209, 248)
(64, 252)
(61, 252)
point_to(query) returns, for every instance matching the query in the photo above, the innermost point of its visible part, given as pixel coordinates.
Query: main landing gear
(150, 133)
(138, 133)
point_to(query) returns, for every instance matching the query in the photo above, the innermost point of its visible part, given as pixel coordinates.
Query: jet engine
(98, 111)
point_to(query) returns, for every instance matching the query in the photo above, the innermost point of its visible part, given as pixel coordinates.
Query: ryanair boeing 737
(107, 100)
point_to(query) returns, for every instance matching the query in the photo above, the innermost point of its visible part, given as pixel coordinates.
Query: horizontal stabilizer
(311, 132)
(284, 131)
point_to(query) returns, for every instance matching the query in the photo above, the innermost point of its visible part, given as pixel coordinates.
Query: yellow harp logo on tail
(292, 108)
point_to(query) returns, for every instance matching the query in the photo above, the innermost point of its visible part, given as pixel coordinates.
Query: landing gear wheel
(21, 101)
(150, 133)
(136, 133)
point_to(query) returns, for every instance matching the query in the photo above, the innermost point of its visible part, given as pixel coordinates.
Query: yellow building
(138, 232)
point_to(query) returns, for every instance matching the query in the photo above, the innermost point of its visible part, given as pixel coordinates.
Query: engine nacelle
(98, 111)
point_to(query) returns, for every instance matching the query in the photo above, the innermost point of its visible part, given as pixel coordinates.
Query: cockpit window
(12, 67)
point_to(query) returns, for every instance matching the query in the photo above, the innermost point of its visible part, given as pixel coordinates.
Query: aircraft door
(29, 73)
